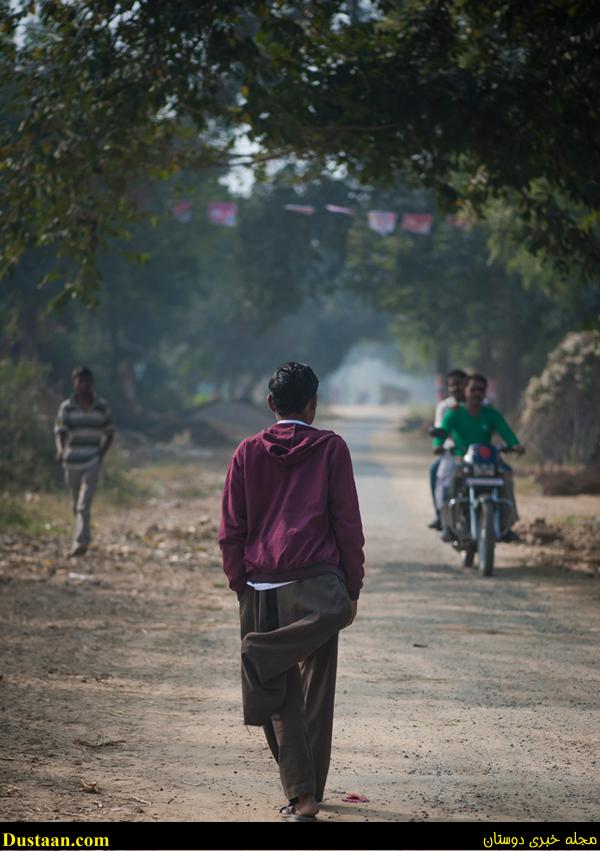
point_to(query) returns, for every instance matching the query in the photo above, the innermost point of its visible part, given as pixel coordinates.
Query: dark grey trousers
(82, 483)
(289, 666)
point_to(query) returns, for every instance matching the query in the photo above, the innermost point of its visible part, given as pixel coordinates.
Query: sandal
(288, 812)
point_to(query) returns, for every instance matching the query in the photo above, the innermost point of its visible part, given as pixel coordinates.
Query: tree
(101, 95)
(208, 304)
(474, 101)
(458, 306)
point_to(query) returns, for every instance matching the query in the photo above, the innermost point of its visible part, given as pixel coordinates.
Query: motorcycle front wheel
(487, 539)
(468, 555)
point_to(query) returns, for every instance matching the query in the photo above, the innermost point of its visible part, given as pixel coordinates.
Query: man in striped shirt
(83, 433)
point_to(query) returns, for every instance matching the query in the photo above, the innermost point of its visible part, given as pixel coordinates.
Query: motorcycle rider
(473, 422)
(456, 380)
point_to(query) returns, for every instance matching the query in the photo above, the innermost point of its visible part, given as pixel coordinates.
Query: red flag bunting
(223, 213)
(382, 221)
(417, 222)
(333, 208)
(182, 211)
(304, 210)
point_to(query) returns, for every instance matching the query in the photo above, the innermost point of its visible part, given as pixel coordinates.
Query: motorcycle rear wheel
(487, 539)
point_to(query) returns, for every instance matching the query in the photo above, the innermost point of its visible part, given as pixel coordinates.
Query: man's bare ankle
(307, 805)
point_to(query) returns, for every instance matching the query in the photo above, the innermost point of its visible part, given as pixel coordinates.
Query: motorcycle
(475, 516)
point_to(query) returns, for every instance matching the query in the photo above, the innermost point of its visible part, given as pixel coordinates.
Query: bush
(12, 515)
(27, 457)
(560, 419)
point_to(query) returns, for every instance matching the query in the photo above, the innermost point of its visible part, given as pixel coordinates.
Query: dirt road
(458, 697)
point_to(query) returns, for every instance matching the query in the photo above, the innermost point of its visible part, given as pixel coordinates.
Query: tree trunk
(441, 360)
(508, 377)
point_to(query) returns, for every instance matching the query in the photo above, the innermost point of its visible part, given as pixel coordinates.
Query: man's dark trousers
(289, 665)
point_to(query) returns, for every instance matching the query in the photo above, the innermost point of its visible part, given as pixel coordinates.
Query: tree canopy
(100, 95)
(217, 307)
(473, 101)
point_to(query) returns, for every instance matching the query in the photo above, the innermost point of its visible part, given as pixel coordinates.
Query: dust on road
(458, 697)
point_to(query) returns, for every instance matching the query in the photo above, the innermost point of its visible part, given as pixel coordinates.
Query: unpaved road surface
(459, 698)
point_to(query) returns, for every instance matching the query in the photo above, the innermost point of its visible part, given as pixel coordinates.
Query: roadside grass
(168, 478)
(35, 514)
(525, 484)
(48, 512)
(118, 486)
(574, 520)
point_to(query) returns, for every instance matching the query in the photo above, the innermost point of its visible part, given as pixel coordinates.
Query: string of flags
(182, 211)
(223, 213)
(383, 222)
(300, 208)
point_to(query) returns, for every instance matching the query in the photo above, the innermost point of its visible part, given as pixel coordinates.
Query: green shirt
(465, 429)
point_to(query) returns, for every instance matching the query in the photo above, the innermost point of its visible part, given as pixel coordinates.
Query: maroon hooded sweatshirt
(290, 509)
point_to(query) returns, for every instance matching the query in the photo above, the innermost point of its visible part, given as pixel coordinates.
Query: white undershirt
(266, 586)
(299, 422)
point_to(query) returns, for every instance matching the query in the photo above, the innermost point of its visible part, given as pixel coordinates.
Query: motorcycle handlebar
(434, 431)
(438, 432)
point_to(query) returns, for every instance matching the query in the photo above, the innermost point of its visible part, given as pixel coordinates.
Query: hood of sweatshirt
(291, 443)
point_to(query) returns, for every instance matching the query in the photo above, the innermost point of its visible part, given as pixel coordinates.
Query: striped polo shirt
(83, 432)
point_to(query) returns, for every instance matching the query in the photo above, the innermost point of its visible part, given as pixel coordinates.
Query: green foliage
(454, 302)
(27, 456)
(36, 514)
(449, 300)
(12, 515)
(215, 308)
(489, 108)
(212, 307)
(97, 97)
(475, 101)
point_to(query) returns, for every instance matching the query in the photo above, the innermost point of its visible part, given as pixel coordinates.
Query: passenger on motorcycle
(473, 422)
(456, 380)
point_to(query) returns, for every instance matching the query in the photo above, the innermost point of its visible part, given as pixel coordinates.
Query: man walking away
(83, 433)
(292, 543)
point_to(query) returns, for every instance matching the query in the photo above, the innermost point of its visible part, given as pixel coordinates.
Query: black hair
(456, 373)
(82, 372)
(478, 377)
(292, 386)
